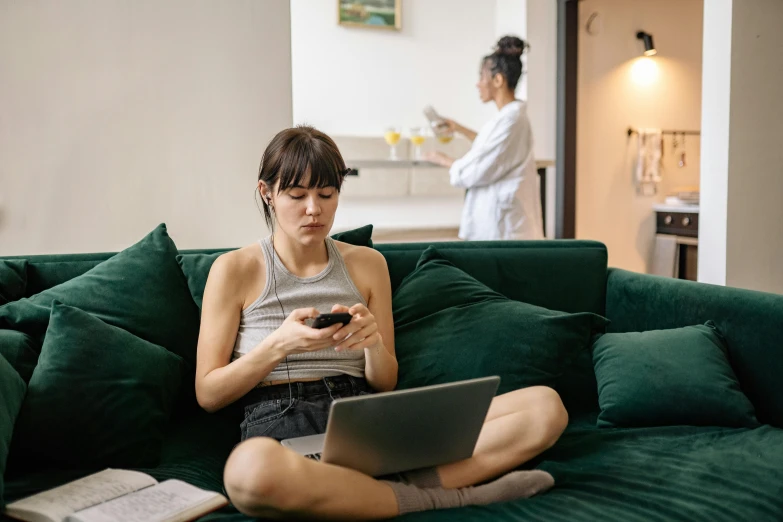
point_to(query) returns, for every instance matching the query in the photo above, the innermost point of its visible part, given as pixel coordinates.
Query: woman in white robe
(499, 172)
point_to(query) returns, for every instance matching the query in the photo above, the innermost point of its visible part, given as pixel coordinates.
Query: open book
(114, 495)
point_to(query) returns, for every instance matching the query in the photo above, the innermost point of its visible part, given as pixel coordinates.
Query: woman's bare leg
(519, 425)
(264, 478)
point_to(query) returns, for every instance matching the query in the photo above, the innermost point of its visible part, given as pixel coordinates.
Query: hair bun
(511, 46)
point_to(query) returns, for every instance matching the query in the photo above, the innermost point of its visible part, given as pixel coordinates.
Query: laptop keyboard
(314, 456)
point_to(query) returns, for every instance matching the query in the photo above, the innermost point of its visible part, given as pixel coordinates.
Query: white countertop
(662, 207)
(399, 212)
(389, 164)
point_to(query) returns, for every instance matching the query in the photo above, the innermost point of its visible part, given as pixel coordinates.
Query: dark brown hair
(295, 152)
(506, 60)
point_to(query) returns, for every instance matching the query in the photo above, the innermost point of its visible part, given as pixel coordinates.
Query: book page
(59, 502)
(159, 503)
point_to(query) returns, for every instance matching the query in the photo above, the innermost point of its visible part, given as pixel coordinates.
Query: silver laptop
(401, 430)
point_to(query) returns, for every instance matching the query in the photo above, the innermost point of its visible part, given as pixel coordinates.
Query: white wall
(716, 93)
(608, 207)
(117, 115)
(748, 246)
(511, 19)
(356, 82)
(541, 75)
(542, 91)
(353, 83)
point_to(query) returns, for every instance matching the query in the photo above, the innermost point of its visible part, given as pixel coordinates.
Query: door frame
(565, 162)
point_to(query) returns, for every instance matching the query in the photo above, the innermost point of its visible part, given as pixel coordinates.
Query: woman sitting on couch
(256, 347)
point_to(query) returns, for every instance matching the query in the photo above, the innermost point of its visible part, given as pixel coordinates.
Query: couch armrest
(751, 321)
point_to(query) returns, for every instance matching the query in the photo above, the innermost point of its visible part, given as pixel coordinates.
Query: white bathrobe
(503, 197)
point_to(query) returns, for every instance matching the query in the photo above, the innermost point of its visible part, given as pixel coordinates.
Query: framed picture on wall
(373, 14)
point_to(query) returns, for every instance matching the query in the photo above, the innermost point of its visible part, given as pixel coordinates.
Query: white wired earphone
(274, 282)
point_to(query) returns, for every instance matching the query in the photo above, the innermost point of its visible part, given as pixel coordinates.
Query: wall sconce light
(649, 48)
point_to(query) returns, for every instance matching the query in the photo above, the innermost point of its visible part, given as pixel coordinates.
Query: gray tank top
(322, 291)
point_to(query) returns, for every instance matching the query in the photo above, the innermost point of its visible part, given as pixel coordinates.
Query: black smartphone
(324, 320)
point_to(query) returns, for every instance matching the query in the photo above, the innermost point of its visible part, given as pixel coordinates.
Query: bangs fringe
(308, 156)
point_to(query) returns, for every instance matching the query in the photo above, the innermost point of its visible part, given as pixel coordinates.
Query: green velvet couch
(654, 473)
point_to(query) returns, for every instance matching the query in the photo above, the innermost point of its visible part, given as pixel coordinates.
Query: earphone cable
(274, 285)
(282, 310)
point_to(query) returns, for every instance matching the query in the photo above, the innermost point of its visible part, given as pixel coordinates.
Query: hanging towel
(648, 161)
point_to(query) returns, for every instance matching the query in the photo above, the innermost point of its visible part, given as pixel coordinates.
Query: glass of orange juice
(445, 136)
(392, 137)
(417, 138)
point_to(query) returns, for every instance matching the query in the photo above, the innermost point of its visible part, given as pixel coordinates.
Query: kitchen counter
(395, 215)
(690, 209)
(407, 164)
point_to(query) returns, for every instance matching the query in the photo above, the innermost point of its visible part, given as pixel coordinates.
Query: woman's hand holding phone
(295, 336)
(360, 333)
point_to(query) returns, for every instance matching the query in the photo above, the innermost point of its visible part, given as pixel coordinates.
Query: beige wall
(755, 213)
(747, 245)
(117, 115)
(610, 98)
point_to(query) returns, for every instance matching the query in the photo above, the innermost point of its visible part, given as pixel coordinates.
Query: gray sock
(515, 485)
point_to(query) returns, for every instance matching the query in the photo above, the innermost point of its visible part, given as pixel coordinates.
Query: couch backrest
(752, 323)
(569, 276)
(561, 275)
(46, 271)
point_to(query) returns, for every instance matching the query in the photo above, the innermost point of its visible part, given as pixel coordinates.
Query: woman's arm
(219, 381)
(373, 325)
(493, 158)
(381, 369)
(456, 127)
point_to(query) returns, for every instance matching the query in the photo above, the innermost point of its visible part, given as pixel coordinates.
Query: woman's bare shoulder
(233, 270)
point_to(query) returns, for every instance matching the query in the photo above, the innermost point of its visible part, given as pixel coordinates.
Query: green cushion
(13, 279)
(196, 266)
(47, 271)
(99, 396)
(196, 269)
(449, 326)
(141, 290)
(668, 377)
(361, 236)
(20, 350)
(12, 390)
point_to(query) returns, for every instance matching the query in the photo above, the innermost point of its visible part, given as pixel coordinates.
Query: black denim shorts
(272, 412)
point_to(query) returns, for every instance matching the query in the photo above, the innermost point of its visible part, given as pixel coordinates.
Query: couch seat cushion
(644, 474)
(195, 449)
(614, 474)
